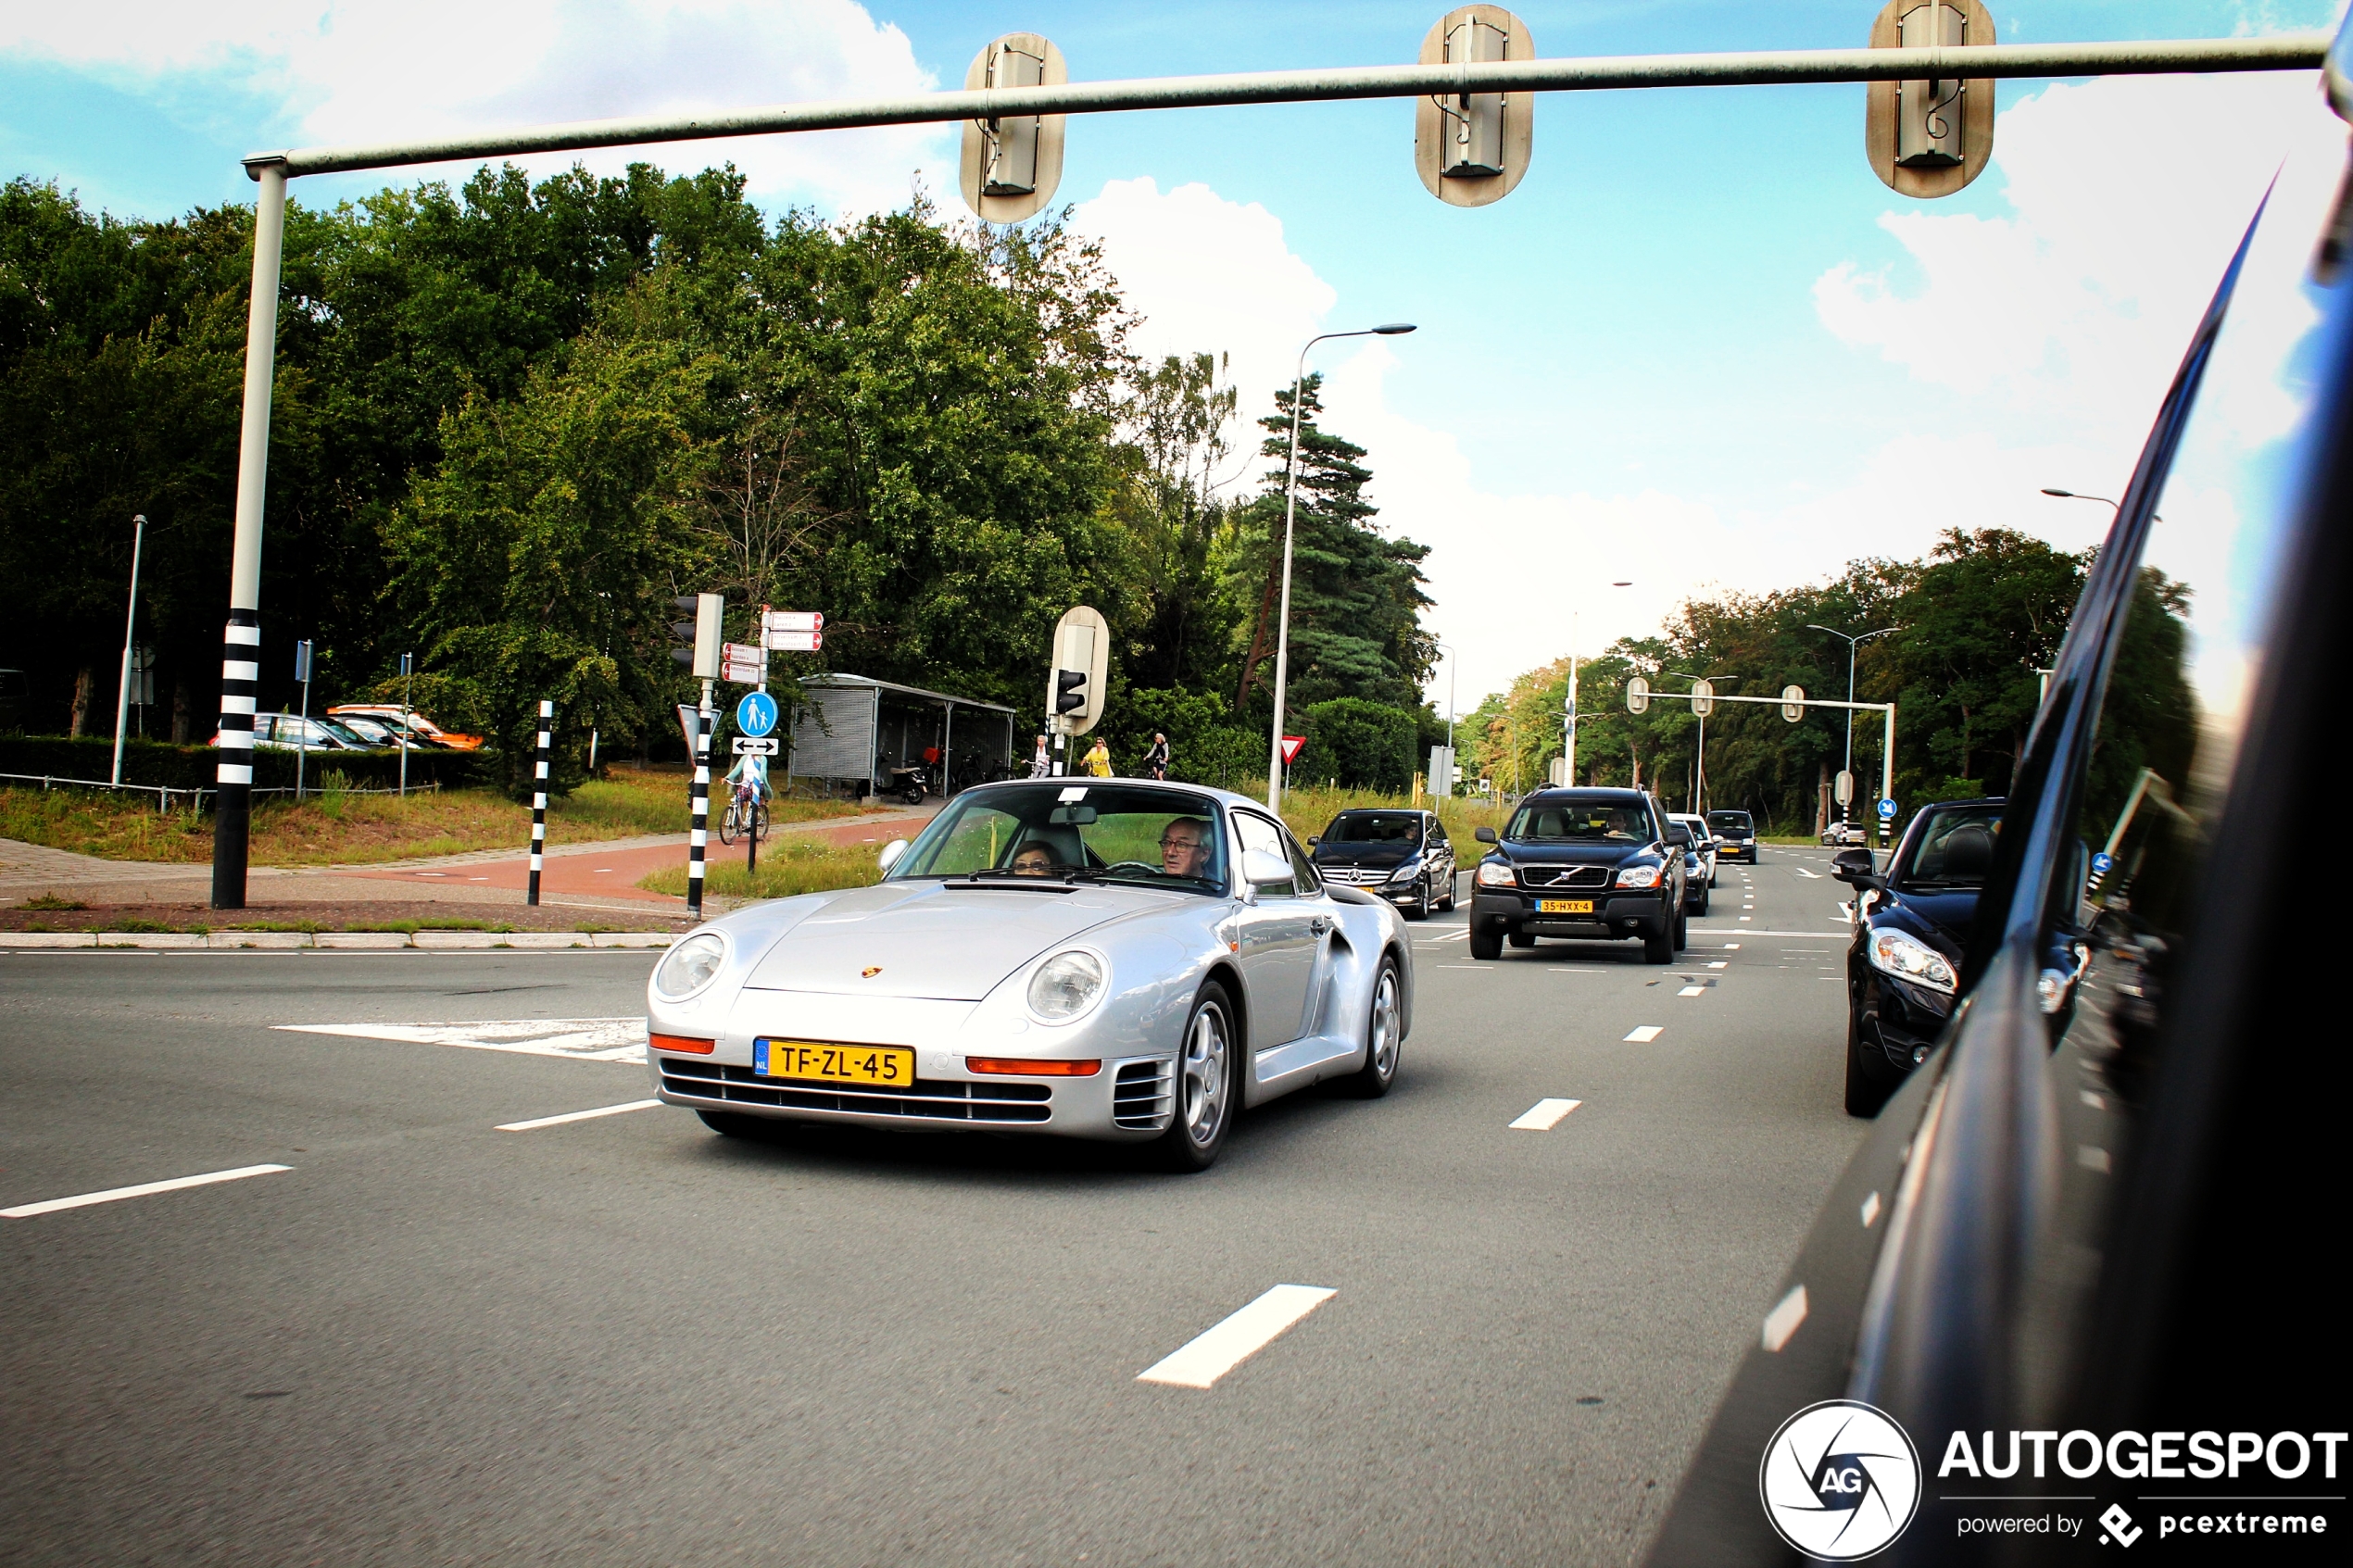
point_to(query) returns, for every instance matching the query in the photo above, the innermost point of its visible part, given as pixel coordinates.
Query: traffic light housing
(1930, 138)
(1471, 148)
(1070, 690)
(1012, 163)
(699, 640)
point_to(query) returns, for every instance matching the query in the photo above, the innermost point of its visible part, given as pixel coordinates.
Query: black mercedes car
(1404, 856)
(1586, 864)
(1907, 956)
(2080, 1257)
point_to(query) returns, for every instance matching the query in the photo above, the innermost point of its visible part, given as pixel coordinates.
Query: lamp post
(1699, 783)
(1569, 744)
(1452, 657)
(1290, 507)
(1846, 808)
(130, 619)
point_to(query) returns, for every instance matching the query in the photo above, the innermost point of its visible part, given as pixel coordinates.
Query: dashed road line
(582, 1040)
(540, 1122)
(27, 1211)
(1209, 1356)
(1692, 991)
(1645, 1034)
(1543, 1116)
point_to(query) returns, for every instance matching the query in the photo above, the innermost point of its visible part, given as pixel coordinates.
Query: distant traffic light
(699, 640)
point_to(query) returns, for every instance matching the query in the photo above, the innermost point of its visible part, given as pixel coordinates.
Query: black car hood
(1942, 917)
(1571, 854)
(1365, 854)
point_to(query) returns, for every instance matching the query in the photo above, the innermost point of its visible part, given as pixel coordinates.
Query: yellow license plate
(1564, 906)
(833, 1064)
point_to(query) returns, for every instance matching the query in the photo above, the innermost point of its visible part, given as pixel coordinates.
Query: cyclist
(748, 795)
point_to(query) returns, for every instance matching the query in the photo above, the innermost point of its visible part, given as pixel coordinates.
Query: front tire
(1384, 1035)
(727, 826)
(1865, 1093)
(1487, 943)
(1659, 948)
(1207, 1079)
(1681, 931)
(1705, 898)
(1449, 905)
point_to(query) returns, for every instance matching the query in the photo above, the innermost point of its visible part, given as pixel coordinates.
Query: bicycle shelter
(855, 729)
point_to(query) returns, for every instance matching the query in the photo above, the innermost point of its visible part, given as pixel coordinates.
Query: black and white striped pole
(539, 803)
(699, 834)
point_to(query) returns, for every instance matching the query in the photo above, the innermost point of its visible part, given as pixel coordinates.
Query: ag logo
(870, 971)
(1840, 1480)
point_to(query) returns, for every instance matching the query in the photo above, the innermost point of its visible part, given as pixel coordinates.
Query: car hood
(1570, 854)
(932, 940)
(1365, 854)
(1942, 914)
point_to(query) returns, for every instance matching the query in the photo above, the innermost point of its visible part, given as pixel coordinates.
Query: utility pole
(1574, 632)
(130, 619)
(1847, 807)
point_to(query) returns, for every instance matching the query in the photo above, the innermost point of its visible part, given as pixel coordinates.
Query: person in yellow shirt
(1098, 758)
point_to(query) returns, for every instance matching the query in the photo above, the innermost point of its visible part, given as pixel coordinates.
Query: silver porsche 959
(1096, 958)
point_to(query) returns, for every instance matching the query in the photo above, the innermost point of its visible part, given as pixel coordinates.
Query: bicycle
(746, 810)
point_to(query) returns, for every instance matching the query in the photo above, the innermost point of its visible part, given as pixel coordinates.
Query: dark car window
(1733, 824)
(1375, 827)
(1582, 821)
(1949, 847)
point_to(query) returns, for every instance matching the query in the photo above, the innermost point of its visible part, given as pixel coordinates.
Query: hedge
(1362, 745)
(155, 763)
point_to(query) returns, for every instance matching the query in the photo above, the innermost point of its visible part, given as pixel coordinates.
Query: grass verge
(785, 869)
(337, 827)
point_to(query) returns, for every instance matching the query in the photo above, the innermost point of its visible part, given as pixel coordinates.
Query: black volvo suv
(1586, 864)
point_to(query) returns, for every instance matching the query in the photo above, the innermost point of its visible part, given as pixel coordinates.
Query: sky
(1701, 348)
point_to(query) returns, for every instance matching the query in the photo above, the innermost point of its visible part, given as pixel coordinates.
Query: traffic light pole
(1887, 759)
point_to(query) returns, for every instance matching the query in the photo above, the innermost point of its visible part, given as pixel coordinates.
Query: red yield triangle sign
(1290, 748)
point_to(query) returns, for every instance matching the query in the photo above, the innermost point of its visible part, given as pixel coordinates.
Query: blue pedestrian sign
(1887, 810)
(756, 714)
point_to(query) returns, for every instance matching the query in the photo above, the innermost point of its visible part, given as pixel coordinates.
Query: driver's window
(1257, 833)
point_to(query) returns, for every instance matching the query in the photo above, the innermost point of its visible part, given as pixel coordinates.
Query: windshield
(1374, 827)
(1735, 823)
(1607, 821)
(358, 731)
(1951, 848)
(1060, 830)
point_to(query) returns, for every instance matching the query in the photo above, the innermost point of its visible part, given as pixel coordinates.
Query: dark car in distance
(1404, 856)
(1588, 865)
(1735, 835)
(1911, 934)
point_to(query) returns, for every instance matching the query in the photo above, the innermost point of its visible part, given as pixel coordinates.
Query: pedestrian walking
(1156, 760)
(1098, 758)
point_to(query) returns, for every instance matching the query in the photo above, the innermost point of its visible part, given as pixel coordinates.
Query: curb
(345, 941)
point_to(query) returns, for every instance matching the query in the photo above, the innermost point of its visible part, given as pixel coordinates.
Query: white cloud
(1209, 275)
(344, 71)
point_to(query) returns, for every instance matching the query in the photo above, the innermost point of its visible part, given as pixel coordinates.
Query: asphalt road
(623, 1340)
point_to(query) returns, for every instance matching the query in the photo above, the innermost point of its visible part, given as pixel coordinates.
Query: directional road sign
(792, 630)
(1886, 811)
(756, 714)
(755, 746)
(744, 664)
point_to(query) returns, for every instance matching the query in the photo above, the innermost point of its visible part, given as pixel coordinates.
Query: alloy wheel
(1207, 1084)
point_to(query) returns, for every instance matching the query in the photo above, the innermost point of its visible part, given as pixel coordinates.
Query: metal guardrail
(164, 793)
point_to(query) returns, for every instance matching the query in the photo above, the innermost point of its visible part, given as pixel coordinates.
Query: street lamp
(1290, 507)
(2073, 495)
(130, 623)
(1568, 749)
(1699, 785)
(1847, 807)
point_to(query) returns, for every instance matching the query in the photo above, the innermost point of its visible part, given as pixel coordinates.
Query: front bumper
(1737, 852)
(1128, 1101)
(1901, 1023)
(1615, 915)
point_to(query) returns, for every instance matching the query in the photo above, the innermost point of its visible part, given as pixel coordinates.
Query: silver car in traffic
(1089, 958)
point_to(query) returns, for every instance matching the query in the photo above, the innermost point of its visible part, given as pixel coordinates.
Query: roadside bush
(1362, 745)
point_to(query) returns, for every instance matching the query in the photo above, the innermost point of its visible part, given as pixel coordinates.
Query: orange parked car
(420, 727)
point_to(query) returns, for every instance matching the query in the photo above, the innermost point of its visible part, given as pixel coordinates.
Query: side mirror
(1854, 867)
(1259, 868)
(890, 854)
(1678, 835)
(1485, 835)
(1312, 840)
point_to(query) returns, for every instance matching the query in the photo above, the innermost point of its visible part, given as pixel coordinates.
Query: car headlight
(1065, 985)
(1495, 873)
(1408, 871)
(1908, 958)
(692, 965)
(1640, 876)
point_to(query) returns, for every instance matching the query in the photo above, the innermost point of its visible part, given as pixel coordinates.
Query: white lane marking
(1462, 935)
(1748, 917)
(1211, 1355)
(1870, 1210)
(2091, 1099)
(1802, 871)
(27, 1211)
(576, 1116)
(1545, 1115)
(1783, 1321)
(1645, 1034)
(1718, 963)
(2092, 1159)
(582, 1040)
(1480, 967)
(1734, 946)
(1692, 991)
